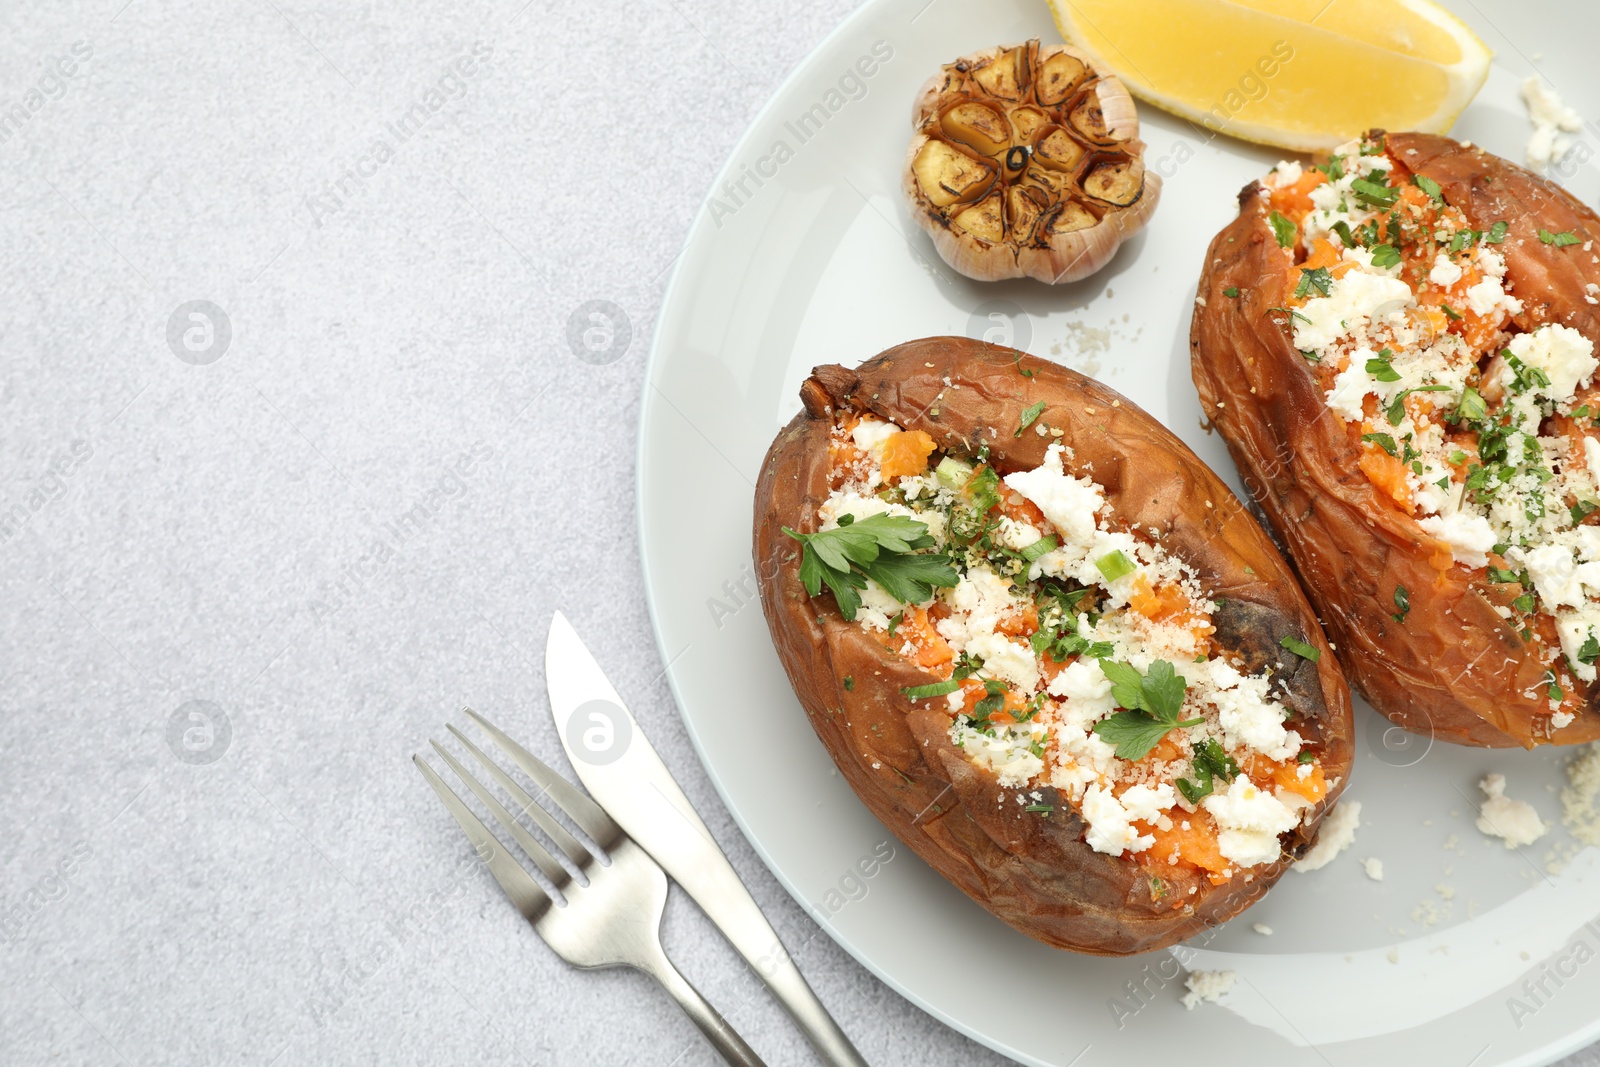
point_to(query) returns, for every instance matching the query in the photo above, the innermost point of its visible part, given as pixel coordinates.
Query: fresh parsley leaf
(1402, 600)
(1374, 194)
(1114, 565)
(1429, 186)
(1040, 809)
(1385, 256)
(1284, 230)
(1029, 414)
(1497, 232)
(1232, 290)
(1152, 700)
(1020, 368)
(1293, 314)
(882, 547)
(1342, 228)
(1301, 648)
(1590, 650)
(1582, 510)
(1210, 761)
(849, 683)
(1334, 168)
(1132, 732)
(1380, 369)
(1317, 278)
(1450, 312)
(1383, 441)
(1554, 692)
(1305, 757)
(1560, 240)
(1523, 603)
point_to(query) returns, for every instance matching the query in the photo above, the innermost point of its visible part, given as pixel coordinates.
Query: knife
(621, 770)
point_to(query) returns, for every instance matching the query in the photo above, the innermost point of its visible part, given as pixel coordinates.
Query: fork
(614, 920)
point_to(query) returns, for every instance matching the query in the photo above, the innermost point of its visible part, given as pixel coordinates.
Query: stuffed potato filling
(1071, 651)
(1484, 432)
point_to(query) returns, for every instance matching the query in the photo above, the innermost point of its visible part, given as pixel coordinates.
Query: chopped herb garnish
(895, 620)
(1231, 290)
(1283, 230)
(1379, 367)
(1025, 372)
(1383, 441)
(932, 689)
(1373, 193)
(1497, 232)
(1301, 648)
(1114, 565)
(1450, 312)
(1472, 406)
(1397, 407)
(1152, 701)
(1038, 548)
(1554, 692)
(881, 547)
(1431, 187)
(1317, 278)
(849, 684)
(1523, 603)
(1560, 240)
(1385, 256)
(1590, 650)
(1305, 757)
(1293, 314)
(1342, 228)
(1029, 414)
(1040, 809)
(1209, 761)
(1402, 600)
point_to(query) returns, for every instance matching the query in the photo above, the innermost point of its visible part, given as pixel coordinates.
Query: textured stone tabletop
(297, 460)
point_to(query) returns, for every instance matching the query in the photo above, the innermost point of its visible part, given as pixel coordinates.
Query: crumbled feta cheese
(1513, 821)
(1352, 386)
(1563, 353)
(1355, 297)
(870, 434)
(1286, 173)
(1336, 833)
(1575, 629)
(1110, 829)
(1208, 986)
(1373, 867)
(1262, 928)
(1069, 503)
(1445, 272)
(1006, 660)
(1250, 821)
(1250, 720)
(1469, 535)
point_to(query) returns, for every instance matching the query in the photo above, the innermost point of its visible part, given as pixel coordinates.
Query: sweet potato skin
(1035, 873)
(1452, 669)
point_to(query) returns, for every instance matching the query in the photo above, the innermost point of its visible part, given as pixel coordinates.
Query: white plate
(805, 255)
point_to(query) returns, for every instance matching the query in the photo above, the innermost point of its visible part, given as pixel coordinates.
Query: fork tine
(589, 816)
(523, 891)
(574, 849)
(536, 852)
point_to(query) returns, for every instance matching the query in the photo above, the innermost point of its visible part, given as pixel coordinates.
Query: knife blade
(620, 768)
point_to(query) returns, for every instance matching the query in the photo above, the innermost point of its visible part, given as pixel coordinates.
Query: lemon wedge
(1299, 74)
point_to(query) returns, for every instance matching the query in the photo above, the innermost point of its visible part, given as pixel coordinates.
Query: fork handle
(723, 1037)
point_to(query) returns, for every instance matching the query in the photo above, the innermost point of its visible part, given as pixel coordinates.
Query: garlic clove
(978, 126)
(948, 176)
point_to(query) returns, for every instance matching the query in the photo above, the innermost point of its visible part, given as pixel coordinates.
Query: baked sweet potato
(1398, 348)
(970, 560)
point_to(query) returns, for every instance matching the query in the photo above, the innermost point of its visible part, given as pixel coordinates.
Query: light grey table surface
(334, 508)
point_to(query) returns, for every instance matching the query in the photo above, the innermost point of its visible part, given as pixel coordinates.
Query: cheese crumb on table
(1578, 809)
(1336, 834)
(1206, 985)
(1373, 867)
(1262, 928)
(1513, 821)
(1554, 123)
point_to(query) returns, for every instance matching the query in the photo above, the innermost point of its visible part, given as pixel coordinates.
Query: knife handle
(795, 993)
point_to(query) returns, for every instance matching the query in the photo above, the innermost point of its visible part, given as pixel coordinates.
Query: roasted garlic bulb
(1026, 161)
